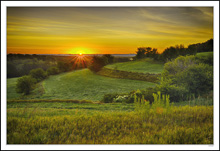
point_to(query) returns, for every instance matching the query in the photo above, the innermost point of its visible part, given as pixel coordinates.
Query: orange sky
(104, 30)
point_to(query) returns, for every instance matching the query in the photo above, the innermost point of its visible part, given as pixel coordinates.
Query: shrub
(25, 84)
(185, 76)
(52, 71)
(39, 74)
(148, 94)
(108, 98)
(177, 92)
(198, 78)
(121, 99)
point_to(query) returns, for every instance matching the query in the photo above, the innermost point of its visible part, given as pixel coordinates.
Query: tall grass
(152, 125)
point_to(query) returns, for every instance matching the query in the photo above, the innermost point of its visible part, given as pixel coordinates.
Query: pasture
(142, 66)
(79, 85)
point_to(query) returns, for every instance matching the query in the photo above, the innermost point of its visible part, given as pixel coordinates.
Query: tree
(141, 53)
(184, 76)
(39, 74)
(97, 63)
(110, 58)
(25, 84)
(63, 66)
(147, 52)
(52, 71)
(197, 78)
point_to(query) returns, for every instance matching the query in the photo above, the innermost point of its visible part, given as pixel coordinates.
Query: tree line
(173, 52)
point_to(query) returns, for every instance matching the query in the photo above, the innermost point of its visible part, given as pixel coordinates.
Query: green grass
(79, 85)
(203, 54)
(43, 123)
(196, 102)
(11, 89)
(68, 105)
(143, 66)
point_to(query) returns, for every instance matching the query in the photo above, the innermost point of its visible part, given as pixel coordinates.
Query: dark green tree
(184, 76)
(141, 53)
(25, 84)
(39, 74)
(97, 62)
(52, 71)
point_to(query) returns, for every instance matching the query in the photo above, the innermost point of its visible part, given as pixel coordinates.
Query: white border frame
(5, 4)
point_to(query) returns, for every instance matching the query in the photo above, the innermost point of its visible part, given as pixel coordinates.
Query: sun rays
(80, 61)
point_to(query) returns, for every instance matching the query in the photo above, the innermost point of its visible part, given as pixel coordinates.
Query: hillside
(81, 85)
(141, 66)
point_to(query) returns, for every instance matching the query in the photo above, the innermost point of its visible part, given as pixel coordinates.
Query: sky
(104, 30)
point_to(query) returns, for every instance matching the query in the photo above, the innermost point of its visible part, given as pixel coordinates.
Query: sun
(80, 54)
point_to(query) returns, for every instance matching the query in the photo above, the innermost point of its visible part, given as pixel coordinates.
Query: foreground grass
(38, 125)
(80, 85)
(142, 66)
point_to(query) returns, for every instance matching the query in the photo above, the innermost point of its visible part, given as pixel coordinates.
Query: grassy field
(11, 89)
(53, 114)
(201, 54)
(70, 123)
(79, 85)
(143, 66)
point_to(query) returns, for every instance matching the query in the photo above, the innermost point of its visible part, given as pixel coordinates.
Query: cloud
(106, 26)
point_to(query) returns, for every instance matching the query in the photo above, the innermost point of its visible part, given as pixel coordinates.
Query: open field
(70, 123)
(79, 85)
(142, 66)
(204, 54)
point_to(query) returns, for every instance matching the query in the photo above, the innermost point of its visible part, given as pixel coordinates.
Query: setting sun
(80, 54)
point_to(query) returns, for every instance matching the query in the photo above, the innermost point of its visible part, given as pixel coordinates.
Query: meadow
(69, 123)
(141, 66)
(66, 109)
(80, 85)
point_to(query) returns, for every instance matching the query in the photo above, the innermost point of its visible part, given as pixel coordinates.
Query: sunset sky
(104, 30)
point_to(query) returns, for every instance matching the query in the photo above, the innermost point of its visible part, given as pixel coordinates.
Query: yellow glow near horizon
(80, 50)
(105, 30)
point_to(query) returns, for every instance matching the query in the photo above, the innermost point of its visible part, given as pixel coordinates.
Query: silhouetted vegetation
(97, 63)
(110, 58)
(144, 52)
(174, 51)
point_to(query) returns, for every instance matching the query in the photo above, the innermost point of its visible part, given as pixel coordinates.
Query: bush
(185, 76)
(25, 84)
(108, 98)
(52, 71)
(177, 93)
(198, 78)
(97, 63)
(39, 74)
(148, 94)
(121, 99)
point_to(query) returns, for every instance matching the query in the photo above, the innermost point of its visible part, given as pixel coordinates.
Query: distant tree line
(21, 64)
(174, 51)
